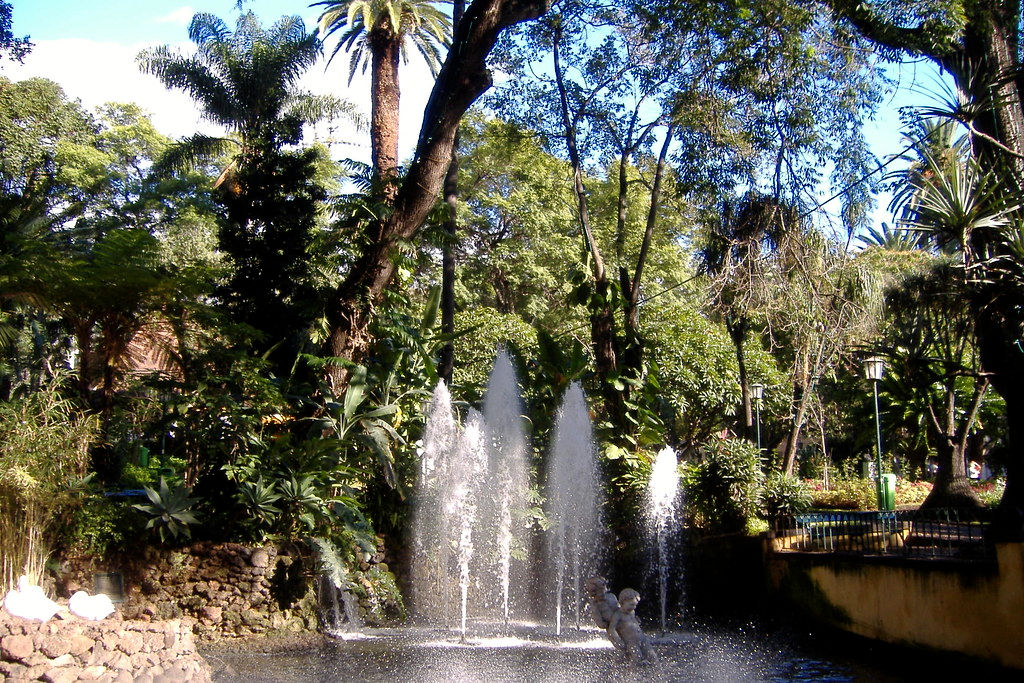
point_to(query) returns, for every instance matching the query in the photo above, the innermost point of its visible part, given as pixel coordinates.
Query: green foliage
(845, 493)
(100, 525)
(169, 511)
(257, 500)
(365, 24)
(723, 490)
(475, 352)
(784, 495)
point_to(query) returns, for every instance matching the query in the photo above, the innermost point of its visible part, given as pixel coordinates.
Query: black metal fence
(959, 534)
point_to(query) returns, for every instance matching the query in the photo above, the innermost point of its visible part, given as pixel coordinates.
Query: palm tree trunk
(384, 99)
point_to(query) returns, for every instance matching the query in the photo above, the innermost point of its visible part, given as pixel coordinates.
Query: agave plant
(169, 511)
(301, 500)
(258, 498)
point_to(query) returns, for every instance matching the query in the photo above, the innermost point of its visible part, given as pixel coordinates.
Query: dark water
(737, 652)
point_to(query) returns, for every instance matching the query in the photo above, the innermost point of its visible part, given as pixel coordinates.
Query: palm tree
(377, 33)
(245, 81)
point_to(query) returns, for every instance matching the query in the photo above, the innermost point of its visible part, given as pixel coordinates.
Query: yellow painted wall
(941, 605)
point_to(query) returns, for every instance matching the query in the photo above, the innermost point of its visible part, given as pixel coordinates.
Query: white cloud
(100, 72)
(97, 73)
(180, 17)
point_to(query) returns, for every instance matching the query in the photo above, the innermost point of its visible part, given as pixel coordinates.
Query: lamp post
(873, 369)
(757, 393)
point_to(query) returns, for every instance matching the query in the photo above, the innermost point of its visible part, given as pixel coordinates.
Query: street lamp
(757, 393)
(873, 369)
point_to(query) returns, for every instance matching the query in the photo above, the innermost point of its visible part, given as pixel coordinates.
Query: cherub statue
(603, 603)
(624, 629)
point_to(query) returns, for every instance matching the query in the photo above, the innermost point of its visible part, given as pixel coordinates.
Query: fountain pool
(752, 651)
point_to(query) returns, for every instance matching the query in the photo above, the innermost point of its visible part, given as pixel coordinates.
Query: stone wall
(71, 649)
(228, 590)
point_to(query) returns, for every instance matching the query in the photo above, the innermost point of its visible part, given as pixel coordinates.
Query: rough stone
(67, 674)
(260, 558)
(16, 647)
(130, 643)
(79, 643)
(212, 613)
(55, 645)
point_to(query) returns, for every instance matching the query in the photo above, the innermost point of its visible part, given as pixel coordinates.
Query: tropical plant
(245, 81)
(169, 511)
(301, 503)
(376, 33)
(257, 499)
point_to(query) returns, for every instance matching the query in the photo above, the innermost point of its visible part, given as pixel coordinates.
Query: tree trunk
(386, 50)
(463, 78)
(738, 334)
(600, 304)
(952, 489)
(446, 362)
(802, 394)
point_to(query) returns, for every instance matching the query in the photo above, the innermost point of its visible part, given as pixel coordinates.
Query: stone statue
(603, 603)
(624, 629)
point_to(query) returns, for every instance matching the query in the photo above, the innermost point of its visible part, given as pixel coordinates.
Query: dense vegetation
(250, 328)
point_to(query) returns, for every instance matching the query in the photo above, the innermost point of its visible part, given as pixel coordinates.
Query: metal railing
(959, 534)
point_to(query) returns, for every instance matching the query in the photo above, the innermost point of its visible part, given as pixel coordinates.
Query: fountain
(508, 470)
(472, 483)
(572, 491)
(466, 492)
(432, 539)
(662, 498)
(472, 487)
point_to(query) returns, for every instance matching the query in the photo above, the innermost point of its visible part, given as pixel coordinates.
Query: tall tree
(978, 43)
(462, 79)
(934, 352)
(735, 257)
(246, 80)
(377, 34)
(446, 361)
(11, 47)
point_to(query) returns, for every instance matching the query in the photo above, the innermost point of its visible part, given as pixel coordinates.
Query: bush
(101, 524)
(911, 493)
(784, 495)
(724, 489)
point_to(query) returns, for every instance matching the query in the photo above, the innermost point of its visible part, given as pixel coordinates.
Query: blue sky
(133, 21)
(90, 47)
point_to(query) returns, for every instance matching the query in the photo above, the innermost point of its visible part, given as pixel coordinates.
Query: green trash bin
(888, 486)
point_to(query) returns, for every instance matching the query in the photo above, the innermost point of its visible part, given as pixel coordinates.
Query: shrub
(170, 511)
(911, 493)
(990, 492)
(99, 525)
(723, 490)
(784, 495)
